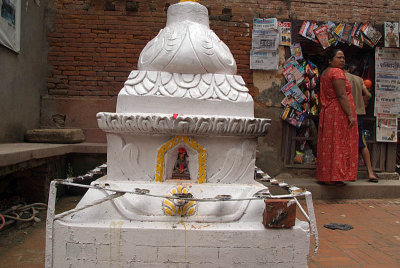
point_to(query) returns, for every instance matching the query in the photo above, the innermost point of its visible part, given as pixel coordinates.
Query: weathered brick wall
(96, 43)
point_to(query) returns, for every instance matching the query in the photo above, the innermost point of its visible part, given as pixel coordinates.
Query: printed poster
(391, 34)
(386, 127)
(10, 24)
(264, 60)
(265, 24)
(386, 102)
(265, 39)
(285, 30)
(387, 80)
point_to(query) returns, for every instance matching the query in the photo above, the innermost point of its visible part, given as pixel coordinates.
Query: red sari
(337, 151)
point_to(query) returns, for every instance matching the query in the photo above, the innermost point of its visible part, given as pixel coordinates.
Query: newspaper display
(386, 127)
(265, 24)
(388, 102)
(387, 80)
(264, 60)
(285, 31)
(265, 40)
(391, 34)
(10, 24)
(387, 93)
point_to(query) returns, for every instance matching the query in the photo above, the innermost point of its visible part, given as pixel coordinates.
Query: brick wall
(94, 44)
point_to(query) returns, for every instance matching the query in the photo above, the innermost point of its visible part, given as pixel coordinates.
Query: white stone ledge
(182, 125)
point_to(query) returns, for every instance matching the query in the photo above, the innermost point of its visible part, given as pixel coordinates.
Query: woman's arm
(340, 90)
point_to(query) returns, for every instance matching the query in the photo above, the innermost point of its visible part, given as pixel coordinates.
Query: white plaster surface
(134, 157)
(156, 124)
(187, 45)
(145, 208)
(147, 244)
(102, 236)
(186, 70)
(199, 94)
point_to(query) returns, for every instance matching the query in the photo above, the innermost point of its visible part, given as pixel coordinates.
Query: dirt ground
(23, 245)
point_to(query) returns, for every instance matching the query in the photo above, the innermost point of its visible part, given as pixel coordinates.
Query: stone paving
(374, 241)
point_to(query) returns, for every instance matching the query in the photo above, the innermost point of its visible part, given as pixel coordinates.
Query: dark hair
(330, 54)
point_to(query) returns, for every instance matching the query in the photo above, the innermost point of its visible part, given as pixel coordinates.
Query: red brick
(279, 213)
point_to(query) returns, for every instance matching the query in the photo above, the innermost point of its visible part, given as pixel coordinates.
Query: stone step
(360, 189)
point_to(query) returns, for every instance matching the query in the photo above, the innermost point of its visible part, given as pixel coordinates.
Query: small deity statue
(181, 170)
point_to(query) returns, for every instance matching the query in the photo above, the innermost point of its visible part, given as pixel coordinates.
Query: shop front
(305, 59)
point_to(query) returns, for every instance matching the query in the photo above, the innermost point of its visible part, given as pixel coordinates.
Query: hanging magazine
(293, 116)
(391, 34)
(357, 37)
(293, 71)
(290, 101)
(295, 50)
(285, 30)
(346, 36)
(331, 36)
(292, 89)
(307, 30)
(322, 35)
(371, 33)
(338, 31)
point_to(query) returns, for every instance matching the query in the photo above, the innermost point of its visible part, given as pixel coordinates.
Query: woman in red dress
(337, 151)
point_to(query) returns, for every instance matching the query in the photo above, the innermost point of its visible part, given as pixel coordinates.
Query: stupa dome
(187, 44)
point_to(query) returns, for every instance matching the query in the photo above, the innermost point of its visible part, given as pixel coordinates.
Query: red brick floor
(374, 241)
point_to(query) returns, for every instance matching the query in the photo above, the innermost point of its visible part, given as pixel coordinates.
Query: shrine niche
(181, 169)
(181, 158)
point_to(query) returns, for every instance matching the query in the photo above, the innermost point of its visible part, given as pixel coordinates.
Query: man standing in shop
(358, 91)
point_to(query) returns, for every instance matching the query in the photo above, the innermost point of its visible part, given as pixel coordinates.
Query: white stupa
(184, 126)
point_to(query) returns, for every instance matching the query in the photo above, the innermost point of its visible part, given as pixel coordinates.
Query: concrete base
(178, 244)
(133, 230)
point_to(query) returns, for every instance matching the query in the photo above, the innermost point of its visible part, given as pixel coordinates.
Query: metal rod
(301, 209)
(50, 224)
(108, 197)
(269, 196)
